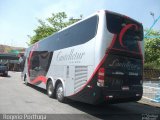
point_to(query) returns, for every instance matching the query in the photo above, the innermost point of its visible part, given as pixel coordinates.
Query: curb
(148, 102)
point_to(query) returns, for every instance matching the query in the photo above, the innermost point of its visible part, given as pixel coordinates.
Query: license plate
(125, 88)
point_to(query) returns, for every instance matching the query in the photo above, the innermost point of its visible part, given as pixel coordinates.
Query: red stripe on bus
(38, 79)
(95, 71)
(113, 41)
(123, 31)
(99, 65)
(139, 47)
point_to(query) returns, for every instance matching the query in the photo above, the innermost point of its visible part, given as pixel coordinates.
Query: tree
(152, 49)
(51, 25)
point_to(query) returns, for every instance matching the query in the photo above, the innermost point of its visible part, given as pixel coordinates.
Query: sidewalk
(151, 92)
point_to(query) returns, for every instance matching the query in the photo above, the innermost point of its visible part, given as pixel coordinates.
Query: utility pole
(155, 21)
(151, 13)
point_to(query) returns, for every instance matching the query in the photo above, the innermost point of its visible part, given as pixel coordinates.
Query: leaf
(50, 26)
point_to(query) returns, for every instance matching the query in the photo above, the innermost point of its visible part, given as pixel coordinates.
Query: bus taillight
(100, 81)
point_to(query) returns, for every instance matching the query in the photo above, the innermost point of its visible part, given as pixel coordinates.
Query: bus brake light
(100, 81)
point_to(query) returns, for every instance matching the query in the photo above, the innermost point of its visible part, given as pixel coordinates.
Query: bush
(151, 65)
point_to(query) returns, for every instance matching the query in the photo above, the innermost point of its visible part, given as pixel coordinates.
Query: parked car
(3, 70)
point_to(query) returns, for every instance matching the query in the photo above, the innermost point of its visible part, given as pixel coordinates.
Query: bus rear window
(128, 32)
(116, 23)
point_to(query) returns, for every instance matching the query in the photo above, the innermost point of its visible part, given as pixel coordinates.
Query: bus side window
(79, 34)
(35, 62)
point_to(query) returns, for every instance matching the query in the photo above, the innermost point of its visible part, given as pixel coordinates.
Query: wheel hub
(60, 92)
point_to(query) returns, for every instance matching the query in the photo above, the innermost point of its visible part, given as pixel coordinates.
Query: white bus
(98, 59)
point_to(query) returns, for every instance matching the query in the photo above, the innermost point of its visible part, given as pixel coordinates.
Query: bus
(98, 59)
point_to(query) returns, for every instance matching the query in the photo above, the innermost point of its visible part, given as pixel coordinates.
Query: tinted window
(75, 35)
(79, 33)
(128, 32)
(115, 23)
(39, 63)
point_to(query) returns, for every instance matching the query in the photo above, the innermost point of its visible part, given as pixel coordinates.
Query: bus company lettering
(72, 55)
(127, 65)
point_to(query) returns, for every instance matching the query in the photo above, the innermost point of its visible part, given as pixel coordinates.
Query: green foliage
(151, 65)
(51, 25)
(152, 50)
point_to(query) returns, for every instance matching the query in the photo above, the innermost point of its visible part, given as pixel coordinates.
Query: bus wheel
(25, 80)
(50, 89)
(60, 93)
(5, 74)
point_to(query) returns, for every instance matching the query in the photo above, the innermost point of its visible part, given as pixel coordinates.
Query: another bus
(98, 59)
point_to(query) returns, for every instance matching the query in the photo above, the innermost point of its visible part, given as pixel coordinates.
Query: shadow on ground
(121, 111)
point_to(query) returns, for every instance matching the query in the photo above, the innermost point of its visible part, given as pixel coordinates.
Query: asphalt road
(17, 98)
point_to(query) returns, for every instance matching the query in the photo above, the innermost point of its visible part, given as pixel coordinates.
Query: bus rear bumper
(121, 96)
(103, 95)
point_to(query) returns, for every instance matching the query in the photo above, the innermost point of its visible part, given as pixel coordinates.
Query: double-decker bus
(98, 59)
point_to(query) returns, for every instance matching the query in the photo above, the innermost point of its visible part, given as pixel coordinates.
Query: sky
(18, 18)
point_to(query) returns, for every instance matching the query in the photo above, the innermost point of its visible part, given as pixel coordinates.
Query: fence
(151, 74)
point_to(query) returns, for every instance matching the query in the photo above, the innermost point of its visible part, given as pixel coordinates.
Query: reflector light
(109, 97)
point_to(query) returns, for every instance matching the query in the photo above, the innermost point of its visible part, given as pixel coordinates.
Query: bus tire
(5, 74)
(50, 89)
(60, 93)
